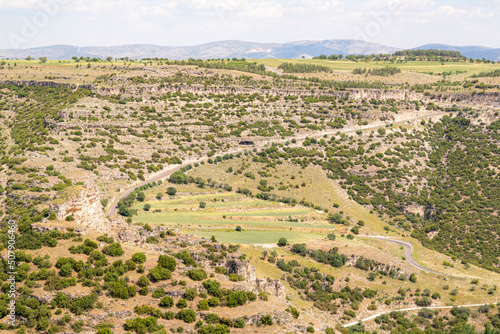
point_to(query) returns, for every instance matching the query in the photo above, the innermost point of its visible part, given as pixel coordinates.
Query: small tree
(197, 274)
(113, 250)
(43, 60)
(167, 262)
(335, 218)
(203, 205)
(159, 196)
(238, 228)
(413, 278)
(181, 303)
(141, 196)
(167, 302)
(143, 281)
(52, 215)
(66, 270)
(147, 207)
(282, 242)
(139, 258)
(171, 191)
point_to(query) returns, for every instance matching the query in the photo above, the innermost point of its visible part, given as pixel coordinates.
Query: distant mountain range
(238, 49)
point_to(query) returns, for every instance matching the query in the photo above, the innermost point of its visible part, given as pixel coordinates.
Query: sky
(398, 23)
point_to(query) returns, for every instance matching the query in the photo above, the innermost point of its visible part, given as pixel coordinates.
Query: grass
(416, 66)
(318, 189)
(259, 237)
(211, 217)
(261, 221)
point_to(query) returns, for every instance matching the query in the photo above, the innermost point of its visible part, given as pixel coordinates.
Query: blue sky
(399, 23)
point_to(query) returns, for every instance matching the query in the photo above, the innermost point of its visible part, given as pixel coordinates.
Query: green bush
(167, 262)
(212, 318)
(171, 191)
(212, 287)
(113, 249)
(167, 302)
(203, 305)
(266, 320)
(143, 281)
(142, 325)
(158, 273)
(159, 292)
(197, 274)
(239, 323)
(181, 303)
(282, 242)
(186, 315)
(210, 329)
(413, 278)
(235, 299)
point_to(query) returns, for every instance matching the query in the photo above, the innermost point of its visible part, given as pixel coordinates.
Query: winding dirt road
(411, 309)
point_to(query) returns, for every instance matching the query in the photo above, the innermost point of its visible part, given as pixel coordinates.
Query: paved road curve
(114, 207)
(408, 253)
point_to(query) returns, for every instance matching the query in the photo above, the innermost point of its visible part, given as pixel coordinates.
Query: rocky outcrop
(131, 236)
(279, 317)
(271, 286)
(354, 93)
(428, 211)
(363, 263)
(51, 84)
(84, 205)
(244, 269)
(102, 317)
(41, 227)
(44, 298)
(241, 268)
(415, 209)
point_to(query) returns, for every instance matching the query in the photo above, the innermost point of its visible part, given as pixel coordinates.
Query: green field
(260, 237)
(261, 221)
(415, 66)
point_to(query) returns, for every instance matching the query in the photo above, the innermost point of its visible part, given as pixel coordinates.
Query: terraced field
(261, 221)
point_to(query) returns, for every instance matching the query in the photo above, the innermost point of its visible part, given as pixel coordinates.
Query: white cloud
(225, 5)
(449, 10)
(479, 12)
(19, 4)
(266, 10)
(395, 4)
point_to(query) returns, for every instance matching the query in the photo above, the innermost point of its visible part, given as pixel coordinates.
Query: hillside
(234, 49)
(231, 197)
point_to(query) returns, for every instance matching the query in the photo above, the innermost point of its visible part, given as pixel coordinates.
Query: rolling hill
(234, 48)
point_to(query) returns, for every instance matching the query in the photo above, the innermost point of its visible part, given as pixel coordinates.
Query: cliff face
(83, 203)
(373, 265)
(243, 268)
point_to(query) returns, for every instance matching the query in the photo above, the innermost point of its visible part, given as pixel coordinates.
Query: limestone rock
(244, 269)
(271, 286)
(84, 204)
